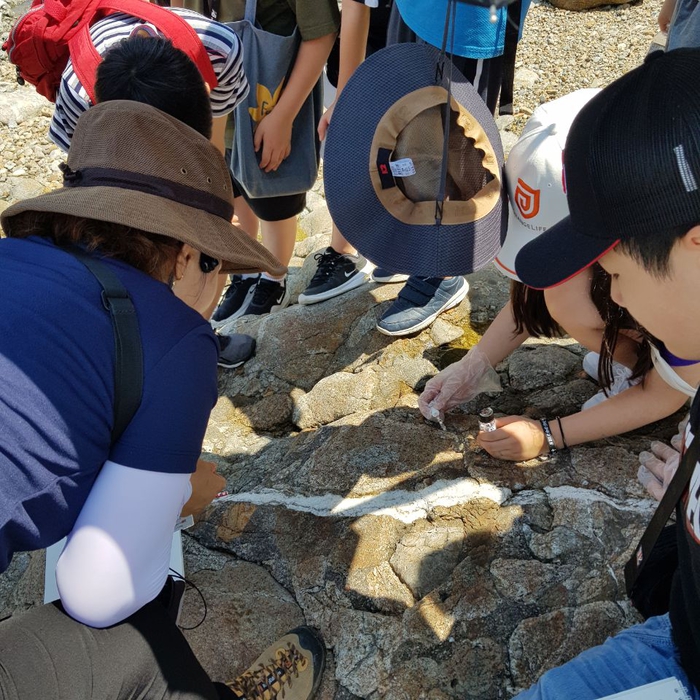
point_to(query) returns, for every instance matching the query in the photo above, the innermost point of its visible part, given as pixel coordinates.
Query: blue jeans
(642, 654)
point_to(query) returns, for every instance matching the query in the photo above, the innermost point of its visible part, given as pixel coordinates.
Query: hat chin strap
(450, 22)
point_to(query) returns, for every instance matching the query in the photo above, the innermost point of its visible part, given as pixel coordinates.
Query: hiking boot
(384, 276)
(236, 299)
(268, 296)
(235, 349)
(336, 274)
(621, 379)
(420, 302)
(291, 668)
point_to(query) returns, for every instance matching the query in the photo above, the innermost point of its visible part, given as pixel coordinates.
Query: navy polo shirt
(57, 388)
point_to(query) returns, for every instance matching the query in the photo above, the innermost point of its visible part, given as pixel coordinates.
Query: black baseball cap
(631, 168)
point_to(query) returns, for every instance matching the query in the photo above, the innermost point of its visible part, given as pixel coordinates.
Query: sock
(265, 276)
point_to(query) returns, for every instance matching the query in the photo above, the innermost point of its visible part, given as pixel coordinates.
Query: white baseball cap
(535, 177)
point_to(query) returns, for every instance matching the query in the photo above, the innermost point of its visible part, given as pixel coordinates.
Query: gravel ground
(561, 51)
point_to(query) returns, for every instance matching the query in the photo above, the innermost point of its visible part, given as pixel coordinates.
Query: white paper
(668, 689)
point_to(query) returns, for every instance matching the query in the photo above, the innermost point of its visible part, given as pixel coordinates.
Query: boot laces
(270, 681)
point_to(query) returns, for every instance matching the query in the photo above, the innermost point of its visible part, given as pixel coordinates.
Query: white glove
(658, 467)
(458, 383)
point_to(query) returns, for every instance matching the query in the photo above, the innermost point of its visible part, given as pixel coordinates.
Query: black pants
(46, 654)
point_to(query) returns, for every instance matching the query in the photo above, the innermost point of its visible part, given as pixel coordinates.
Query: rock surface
(432, 570)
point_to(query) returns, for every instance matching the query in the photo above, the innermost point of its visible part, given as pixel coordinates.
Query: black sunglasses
(207, 263)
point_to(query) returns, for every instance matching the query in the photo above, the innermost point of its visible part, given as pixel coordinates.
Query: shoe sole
(231, 365)
(237, 314)
(391, 279)
(454, 301)
(352, 283)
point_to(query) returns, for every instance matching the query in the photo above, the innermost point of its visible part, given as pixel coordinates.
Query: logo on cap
(527, 200)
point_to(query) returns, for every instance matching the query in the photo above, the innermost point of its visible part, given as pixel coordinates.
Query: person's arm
(518, 438)
(274, 132)
(501, 337)
(218, 133)
(117, 556)
(666, 14)
(474, 373)
(354, 30)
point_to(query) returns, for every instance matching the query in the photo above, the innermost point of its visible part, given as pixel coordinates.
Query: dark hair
(653, 252)
(615, 320)
(152, 71)
(149, 252)
(530, 313)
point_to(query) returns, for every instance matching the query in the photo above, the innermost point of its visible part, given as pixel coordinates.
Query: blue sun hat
(407, 198)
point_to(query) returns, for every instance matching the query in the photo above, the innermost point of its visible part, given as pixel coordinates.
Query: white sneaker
(621, 380)
(590, 364)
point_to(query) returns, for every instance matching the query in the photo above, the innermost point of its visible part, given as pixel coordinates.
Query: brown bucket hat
(132, 164)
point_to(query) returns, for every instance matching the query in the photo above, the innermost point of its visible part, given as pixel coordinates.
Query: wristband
(561, 430)
(548, 435)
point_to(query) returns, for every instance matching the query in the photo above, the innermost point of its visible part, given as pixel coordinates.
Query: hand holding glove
(458, 383)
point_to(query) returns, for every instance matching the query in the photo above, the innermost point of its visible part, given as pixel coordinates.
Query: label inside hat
(384, 168)
(402, 168)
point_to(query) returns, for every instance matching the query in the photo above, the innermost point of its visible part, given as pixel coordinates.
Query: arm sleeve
(233, 84)
(166, 433)
(117, 556)
(317, 18)
(70, 104)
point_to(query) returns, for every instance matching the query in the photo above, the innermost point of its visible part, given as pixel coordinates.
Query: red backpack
(52, 31)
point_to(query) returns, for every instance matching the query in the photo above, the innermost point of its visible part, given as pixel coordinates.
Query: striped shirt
(222, 45)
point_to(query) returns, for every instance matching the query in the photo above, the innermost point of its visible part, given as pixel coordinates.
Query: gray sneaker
(235, 349)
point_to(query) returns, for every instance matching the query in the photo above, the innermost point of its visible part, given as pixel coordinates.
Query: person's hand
(458, 383)
(657, 468)
(325, 121)
(516, 438)
(666, 14)
(274, 136)
(206, 484)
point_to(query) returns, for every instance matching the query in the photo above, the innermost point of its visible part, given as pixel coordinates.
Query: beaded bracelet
(561, 430)
(548, 435)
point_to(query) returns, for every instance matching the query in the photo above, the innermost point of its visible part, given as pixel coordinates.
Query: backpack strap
(670, 499)
(128, 367)
(86, 58)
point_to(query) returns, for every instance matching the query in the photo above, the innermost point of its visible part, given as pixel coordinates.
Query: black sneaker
(291, 668)
(236, 299)
(269, 295)
(235, 349)
(336, 274)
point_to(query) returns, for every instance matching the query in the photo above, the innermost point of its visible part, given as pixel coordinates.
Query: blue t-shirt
(57, 388)
(475, 35)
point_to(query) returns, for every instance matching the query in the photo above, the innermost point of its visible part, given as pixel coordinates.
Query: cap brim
(559, 254)
(207, 233)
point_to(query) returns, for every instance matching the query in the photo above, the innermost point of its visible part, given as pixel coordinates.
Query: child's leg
(642, 654)
(246, 217)
(279, 238)
(570, 305)
(340, 244)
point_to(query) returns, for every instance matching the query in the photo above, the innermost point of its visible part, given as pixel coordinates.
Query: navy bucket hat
(383, 163)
